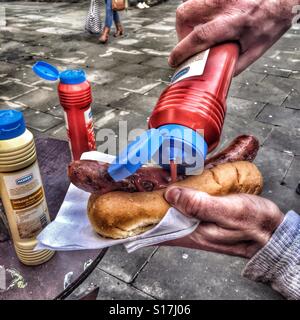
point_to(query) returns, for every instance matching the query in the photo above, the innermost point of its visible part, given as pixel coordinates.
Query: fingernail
(172, 195)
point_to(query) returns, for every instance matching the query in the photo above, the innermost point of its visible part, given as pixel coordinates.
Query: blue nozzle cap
(135, 155)
(12, 124)
(171, 142)
(183, 145)
(48, 72)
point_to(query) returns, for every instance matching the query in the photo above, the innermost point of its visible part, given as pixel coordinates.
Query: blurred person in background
(142, 4)
(111, 16)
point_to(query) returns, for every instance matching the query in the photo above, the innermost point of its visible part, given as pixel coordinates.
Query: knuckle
(271, 217)
(180, 13)
(200, 34)
(246, 209)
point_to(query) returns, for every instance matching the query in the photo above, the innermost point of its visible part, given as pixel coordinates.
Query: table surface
(57, 278)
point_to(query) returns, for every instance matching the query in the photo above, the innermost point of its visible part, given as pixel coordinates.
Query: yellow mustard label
(27, 200)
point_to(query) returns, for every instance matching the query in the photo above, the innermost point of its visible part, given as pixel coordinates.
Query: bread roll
(121, 215)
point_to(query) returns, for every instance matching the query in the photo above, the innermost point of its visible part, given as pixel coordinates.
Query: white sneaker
(140, 5)
(145, 5)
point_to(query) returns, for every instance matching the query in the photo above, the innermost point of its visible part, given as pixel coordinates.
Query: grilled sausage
(92, 176)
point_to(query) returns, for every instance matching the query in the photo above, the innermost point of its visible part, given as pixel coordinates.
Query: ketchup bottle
(75, 97)
(199, 101)
(196, 98)
(187, 121)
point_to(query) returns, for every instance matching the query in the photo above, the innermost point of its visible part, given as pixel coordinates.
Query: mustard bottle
(21, 188)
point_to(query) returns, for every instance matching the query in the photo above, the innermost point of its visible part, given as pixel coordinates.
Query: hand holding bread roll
(121, 215)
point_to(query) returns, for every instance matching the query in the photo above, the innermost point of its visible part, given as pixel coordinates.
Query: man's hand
(237, 225)
(255, 24)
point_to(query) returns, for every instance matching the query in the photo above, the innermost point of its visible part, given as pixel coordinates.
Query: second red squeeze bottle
(75, 97)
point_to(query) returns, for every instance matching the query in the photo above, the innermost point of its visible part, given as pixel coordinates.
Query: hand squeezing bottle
(187, 122)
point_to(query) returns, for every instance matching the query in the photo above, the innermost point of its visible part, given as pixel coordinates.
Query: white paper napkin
(71, 230)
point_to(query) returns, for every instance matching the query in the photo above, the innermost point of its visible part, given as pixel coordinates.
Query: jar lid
(72, 76)
(48, 72)
(12, 124)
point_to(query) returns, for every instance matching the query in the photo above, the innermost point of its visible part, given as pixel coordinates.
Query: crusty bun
(120, 215)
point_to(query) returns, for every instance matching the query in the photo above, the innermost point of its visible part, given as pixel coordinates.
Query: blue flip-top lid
(12, 124)
(48, 72)
(170, 142)
(137, 153)
(185, 146)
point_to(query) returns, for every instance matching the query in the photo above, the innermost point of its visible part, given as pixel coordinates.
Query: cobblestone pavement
(127, 77)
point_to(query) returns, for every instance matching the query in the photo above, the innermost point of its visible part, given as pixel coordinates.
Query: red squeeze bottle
(196, 98)
(75, 97)
(188, 119)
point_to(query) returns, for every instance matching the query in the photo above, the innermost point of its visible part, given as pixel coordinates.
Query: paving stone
(101, 76)
(124, 55)
(24, 75)
(273, 164)
(58, 132)
(157, 62)
(40, 121)
(243, 108)
(7, 68)
(285, 198)
(157, 91)
(295, 75)
(273, 90)
(270, 70)
(287, 85)
(247, 77)
(279, 116)
(40, 99)
(235, 126)
(10, 90)
(279, 61)
(135, 84)
(234, 89)
(123, 265)
(293, 100)
(136, 102)
(176, 273)
(160, 27)
(284, 139)
(5, 105)
(292, 177)
(110, 288)
(102, 63)
(152, 44)
(160, 75)
(106, 95)
(137, 70)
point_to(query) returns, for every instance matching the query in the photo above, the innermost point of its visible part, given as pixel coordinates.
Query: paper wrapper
(71, 230)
